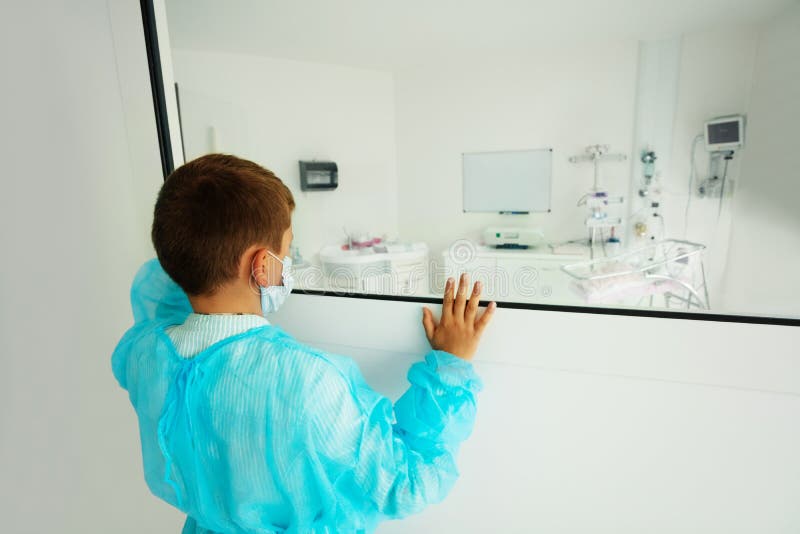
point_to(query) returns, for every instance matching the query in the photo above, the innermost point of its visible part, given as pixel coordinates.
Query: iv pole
(597, 199)
(596, 154)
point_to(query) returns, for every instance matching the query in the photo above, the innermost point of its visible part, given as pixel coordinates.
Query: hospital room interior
(621, 177)
(628, 162)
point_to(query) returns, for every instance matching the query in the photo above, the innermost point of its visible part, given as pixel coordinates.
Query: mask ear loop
(275, 256)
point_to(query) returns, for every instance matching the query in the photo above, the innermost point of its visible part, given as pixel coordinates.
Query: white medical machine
(512, 237)
(724, 134)
(598, 200)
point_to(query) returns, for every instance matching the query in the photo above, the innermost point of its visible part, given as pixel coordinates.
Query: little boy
(245, 429)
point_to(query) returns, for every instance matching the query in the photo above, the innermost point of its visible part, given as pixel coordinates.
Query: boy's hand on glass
(460, 328)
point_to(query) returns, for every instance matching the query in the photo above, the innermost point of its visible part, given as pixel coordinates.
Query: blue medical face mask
(272, 297)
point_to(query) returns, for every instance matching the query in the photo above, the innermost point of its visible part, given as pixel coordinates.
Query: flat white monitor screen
(516, 181)
(723, 132)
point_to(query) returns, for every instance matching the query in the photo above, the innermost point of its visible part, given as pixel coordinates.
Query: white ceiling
(389, 34)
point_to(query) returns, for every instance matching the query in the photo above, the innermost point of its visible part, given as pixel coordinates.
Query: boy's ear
(258, 265)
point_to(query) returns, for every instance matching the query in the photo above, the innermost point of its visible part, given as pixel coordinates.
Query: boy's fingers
(461, 297)
(447, 301)
(472, 305)
(428, 323)
(485, 317)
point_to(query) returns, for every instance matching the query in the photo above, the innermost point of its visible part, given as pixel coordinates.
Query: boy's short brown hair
(212, 209)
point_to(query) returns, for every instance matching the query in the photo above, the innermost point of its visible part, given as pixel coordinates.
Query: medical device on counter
(508, 182)
(356, 240)
(512, 237)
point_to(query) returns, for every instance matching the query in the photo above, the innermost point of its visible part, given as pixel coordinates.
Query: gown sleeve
(155, 296)
(395, 460)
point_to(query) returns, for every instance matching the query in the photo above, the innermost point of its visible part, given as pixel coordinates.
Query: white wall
(765, 240)
(599, 424)
(277, 112)
(715, 79)
(563, 99)
(80, 172)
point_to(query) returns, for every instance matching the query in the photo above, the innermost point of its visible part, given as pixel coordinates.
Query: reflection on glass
(557, 165)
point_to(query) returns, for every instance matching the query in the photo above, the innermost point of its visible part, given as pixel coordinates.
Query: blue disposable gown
(260, 433)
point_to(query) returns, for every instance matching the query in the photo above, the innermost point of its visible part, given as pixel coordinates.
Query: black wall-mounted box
(318, 175)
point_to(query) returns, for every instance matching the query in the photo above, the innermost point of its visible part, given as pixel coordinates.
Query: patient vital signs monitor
(725, 133)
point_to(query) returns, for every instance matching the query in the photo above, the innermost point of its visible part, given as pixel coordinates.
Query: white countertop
(538, 253)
